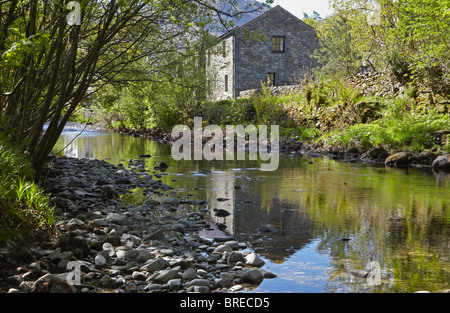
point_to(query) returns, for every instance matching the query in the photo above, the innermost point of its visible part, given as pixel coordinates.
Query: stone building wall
(220, 70)
(255, 59)
(248, 60)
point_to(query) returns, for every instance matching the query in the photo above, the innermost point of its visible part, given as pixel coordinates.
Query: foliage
(333, 112)
(49, 68)
(312, 20)
(269, 110)
(24, 207)
(405, 37)
(337, 54)
(398, 128)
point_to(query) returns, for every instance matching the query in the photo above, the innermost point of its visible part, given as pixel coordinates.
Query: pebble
(109, 248)
(164, 276)
(200, 282)
(155, 265)
(189, 274)
(153, 247)
(222, 248)
(253, 260)
(100, 260)
(138, 275)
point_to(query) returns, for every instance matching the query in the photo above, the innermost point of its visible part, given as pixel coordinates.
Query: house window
(271, 79)
(278, 44)
(224, 49)
(226, 82)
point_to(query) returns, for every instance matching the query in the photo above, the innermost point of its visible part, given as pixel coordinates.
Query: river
(314, 221)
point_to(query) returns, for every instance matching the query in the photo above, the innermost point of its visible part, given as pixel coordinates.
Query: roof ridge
(234, 30)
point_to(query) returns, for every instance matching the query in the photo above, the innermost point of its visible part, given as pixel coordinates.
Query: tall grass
(24, 207)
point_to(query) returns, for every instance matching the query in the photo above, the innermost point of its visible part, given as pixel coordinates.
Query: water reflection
(297, 216)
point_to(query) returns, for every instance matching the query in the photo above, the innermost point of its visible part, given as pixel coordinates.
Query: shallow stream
(314, 221)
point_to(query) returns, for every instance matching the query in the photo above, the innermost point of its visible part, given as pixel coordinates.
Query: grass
(24, 207)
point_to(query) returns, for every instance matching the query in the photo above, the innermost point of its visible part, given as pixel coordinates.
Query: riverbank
(109, 244)
(326, 117)
(435, 158)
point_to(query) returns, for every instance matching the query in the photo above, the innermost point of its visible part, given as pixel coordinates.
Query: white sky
(297, 7)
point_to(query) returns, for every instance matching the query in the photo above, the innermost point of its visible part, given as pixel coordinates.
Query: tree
(407, 37)
(48, 66)
(312, 20)
(337, 54)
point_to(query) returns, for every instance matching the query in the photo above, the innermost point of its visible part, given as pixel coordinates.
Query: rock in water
(267, 274)
(221, 212)
(360, 273)
(442, 162)
(397, 159)
(253, 260)
(253, 276)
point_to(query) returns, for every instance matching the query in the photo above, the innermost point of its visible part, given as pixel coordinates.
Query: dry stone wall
(376, 84)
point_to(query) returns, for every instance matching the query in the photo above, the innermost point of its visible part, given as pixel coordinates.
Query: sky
(297, 7)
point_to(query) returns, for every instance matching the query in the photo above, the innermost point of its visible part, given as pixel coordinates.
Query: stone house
(273, 48)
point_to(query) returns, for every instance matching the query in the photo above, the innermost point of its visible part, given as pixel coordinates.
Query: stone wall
(376, 84)
(274, 91)
(370, 84)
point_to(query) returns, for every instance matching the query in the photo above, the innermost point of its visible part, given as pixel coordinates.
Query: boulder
(253, 260)
(397, 159)
(222, 248)
(252, 276)
(52, 283)
(442, 162)
(267, 274)
(155, 265)
(377, 153)
(165, 275)
(426, 157)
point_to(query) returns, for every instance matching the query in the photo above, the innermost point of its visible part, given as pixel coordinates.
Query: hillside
(251, 9)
